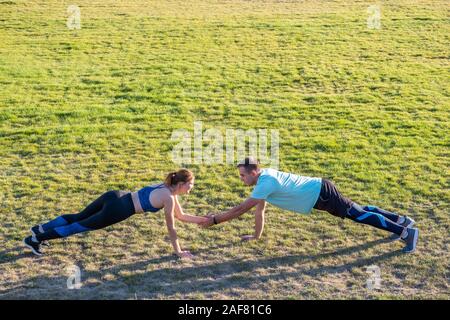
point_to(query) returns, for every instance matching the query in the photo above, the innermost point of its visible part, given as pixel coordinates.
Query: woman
(115, 206)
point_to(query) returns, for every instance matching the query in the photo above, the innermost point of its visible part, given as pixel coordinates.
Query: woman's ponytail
(182, 175)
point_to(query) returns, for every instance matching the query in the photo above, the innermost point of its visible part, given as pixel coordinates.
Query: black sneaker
(408, 223)
(34, 246)
(411, 240)
(37, 229)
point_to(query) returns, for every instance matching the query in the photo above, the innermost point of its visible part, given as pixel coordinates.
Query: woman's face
(186, 187)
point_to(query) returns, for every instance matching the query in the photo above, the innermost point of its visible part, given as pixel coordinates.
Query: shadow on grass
(13, 254)
(136, 280)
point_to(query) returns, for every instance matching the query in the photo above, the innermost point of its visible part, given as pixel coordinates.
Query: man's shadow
(177, 279)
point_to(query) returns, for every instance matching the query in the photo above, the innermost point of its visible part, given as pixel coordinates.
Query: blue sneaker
(411, 240)
(33, 245)
(408, 223)
(37, 229)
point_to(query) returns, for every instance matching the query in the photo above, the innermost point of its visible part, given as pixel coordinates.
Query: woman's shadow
(177, 279)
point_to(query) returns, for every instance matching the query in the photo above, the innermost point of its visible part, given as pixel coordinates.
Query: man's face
(249, 178)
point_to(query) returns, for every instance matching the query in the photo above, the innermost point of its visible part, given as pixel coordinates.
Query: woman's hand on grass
(185, 254)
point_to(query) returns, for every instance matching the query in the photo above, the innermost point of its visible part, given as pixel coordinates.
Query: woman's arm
(169, 208)
(180, 215)
(238, 210)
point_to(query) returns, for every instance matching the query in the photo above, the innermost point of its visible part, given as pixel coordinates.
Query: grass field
(90, 110)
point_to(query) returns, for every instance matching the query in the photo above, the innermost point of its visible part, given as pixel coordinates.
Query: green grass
(85, 111)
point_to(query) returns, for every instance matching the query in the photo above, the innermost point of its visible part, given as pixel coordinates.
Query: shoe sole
(416, 237)
(395, 237)
(32, 249)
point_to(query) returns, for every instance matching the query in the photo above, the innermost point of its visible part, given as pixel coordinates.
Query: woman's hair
(182, 175)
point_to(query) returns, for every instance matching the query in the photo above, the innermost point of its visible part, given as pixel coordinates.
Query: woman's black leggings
(110, 208)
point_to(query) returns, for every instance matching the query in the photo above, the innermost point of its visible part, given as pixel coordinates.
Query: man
(301, 194)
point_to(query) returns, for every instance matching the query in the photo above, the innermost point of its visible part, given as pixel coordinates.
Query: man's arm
(238, 210)
(259, 219)
(259, 222)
